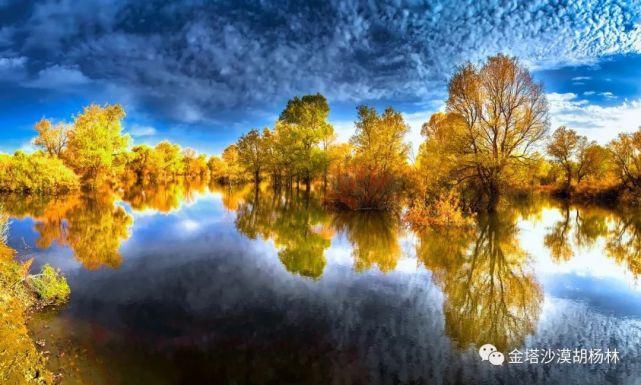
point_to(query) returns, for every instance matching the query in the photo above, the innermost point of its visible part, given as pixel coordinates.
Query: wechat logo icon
(489, 353)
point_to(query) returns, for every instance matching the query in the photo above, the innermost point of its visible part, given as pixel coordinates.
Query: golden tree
(96, 142)
(496, 117)
(564, 147)
(376, 170)
(52, 138)
(626, 155)
(251, 153)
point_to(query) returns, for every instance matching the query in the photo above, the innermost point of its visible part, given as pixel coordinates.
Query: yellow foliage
(35, 173)
(445, 211)
(96, 143)
(52, 138)
(20, 361)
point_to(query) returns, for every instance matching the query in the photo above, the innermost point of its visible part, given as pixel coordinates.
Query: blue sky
(201, 73)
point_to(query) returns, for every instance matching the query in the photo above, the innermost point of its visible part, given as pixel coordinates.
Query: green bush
(35, 172)
(50, 285)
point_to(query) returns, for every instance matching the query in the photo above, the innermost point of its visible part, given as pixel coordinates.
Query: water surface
(190, 283)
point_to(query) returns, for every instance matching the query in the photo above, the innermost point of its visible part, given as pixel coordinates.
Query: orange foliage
(363, 189)
(444, 212)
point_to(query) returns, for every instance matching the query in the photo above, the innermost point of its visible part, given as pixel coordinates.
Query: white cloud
(608, 95)
(344, 129)
(600, 123)
(28, 147)
(415, 120)
(579, 78)
(13, 67)
(139, 131)
(12, 62)
(59, 77)
(588, 93)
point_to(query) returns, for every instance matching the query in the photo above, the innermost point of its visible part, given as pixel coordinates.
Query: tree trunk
(493, 196)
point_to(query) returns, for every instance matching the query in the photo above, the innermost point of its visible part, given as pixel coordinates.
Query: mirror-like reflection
(624, 241)
(581, 227)
(269, 283)
(491, 292)
(302, 230)
(93, 227)
(296, 224)
(374, 238)
(162, 197)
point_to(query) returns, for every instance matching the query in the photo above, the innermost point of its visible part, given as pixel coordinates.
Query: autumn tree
(379, 161)
(96, 142)
(593, 161)
(497, 114)
(564, 148)
(52, 138)
(145, 163)
(284, 144)
(216, 168)
(233, 171)
(171, 157)
(626, 155)
(251, 153)
(272, 159)
(307, 116)
(37, 172)
(194, 165)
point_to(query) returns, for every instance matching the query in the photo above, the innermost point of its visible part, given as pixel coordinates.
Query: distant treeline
(492, 138)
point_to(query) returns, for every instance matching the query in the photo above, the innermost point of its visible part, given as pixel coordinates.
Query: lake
(194, 284)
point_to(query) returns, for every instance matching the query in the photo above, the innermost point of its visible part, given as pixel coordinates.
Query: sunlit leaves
(374, 172)
(52, 138)
(496, 115)
(96, 143)
(35, 173)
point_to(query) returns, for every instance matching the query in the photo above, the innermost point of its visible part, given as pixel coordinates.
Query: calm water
(194, 285)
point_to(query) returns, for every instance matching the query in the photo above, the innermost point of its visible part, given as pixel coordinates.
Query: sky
(201, 73)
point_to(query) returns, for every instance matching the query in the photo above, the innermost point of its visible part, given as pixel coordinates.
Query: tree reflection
(296, 224)
(558, 239)
(302, 230)
(374, 238)
(582, 226)
(591, 224)
(491, 294)
(232, 196)
(623, 242)
(91, 226)
(162, 197)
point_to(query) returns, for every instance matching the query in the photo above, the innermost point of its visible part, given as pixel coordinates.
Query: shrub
(362, 189)
(20, 361)
(444, 211)
(35, 172)
(50, 286)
